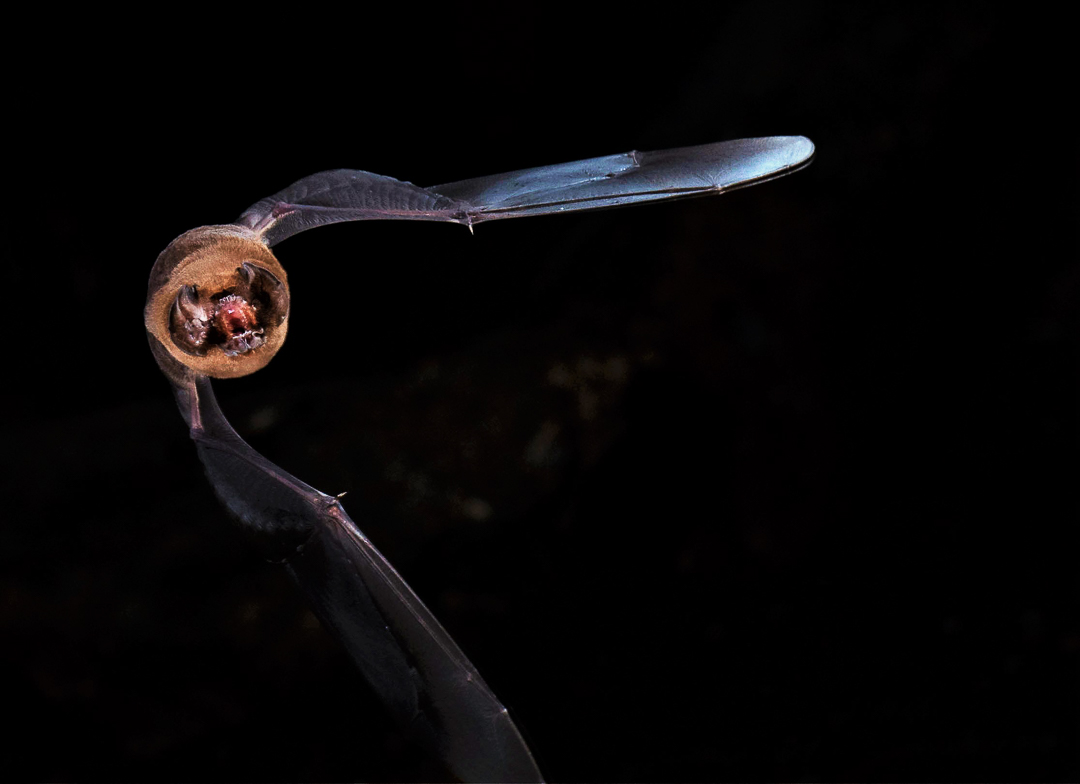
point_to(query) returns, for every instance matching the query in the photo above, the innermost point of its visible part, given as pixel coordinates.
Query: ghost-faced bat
(218, 307)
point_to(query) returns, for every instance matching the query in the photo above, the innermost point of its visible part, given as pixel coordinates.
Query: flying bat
(218, 307)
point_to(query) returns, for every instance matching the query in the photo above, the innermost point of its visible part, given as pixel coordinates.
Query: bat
(218, 306)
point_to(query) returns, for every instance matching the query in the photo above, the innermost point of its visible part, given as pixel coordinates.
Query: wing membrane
(425, 680)
(596, 183)
(632, 178)
(346, 195)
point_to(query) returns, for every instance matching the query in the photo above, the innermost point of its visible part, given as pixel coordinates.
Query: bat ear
(218, 303)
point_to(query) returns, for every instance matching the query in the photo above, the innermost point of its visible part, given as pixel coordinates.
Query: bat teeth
(243, 343)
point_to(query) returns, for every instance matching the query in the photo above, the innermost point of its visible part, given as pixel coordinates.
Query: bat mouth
(236, 324)
(234, 320)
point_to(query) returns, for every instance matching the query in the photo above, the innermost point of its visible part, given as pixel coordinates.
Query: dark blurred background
(780, 485)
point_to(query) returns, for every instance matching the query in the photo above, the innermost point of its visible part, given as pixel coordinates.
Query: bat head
(217, 304)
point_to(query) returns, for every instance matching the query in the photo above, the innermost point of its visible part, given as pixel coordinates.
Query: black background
(775, 486)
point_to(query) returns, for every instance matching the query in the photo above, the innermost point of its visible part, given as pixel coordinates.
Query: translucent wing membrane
(430, 687)
(631, 178)
(346, 195)
(610, 181)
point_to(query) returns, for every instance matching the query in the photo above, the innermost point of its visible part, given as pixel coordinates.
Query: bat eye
(218, 303)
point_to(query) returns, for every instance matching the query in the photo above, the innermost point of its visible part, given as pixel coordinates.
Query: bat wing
(596, 183)
(346, 195)
(428, 684)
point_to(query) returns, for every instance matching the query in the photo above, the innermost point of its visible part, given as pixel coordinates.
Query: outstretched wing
(610, 181)
(406, 656)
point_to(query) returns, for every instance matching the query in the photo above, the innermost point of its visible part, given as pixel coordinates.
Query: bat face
(218, 302)
(218, 307)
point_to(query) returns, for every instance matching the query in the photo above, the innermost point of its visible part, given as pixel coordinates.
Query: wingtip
(802, 149)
